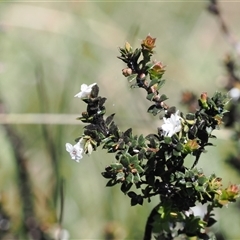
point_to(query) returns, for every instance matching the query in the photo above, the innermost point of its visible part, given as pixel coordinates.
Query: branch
(214, 8)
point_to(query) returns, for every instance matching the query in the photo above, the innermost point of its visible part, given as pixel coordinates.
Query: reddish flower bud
(159, 67)
(142, 76)
(148, 43)
(229, 194)
(127, 72)
(203, 100)
(204, 97)
(233, 190)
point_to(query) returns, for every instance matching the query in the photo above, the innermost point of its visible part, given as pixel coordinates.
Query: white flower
(76, 151)
(85, 91)
(62, 234)
(171, 125)
(234, 93)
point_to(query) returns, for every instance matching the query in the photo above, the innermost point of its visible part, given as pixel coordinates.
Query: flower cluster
(82, 146)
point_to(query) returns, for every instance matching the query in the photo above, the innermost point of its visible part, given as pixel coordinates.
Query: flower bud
(215, 184)
(148, 43)
(204, 97)
(128, 47)
(142, 76)
(203, 100)
(233, 191)
(191, 145)
(229, 194)
(127, 72)
(134, 171)
(85, 114)
(159, 67)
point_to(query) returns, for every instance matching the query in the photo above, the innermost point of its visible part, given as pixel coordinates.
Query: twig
(214, 8)
(149, 226)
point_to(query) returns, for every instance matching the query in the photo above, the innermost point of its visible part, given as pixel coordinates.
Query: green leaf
(120, 176)
(133, 159)
(167, 140)
(126, 187)
(128, 133)
(109, 119)
(141, 141)
(116, 166)
(154, 81)
(150, 96)
(176, 153)
(124, 160)
(130, 178)
(147, 190)
(114, 129)
(132, 194)
(136, 178)
(150, 65)
(136, 54)
(132, 77)
(211, 221)
(161, 83)
(111, 183)
(190, 116)
(154, 110)
(179, 147)
(139, 168)
(107, 174)
(163, 97)
(95, 91)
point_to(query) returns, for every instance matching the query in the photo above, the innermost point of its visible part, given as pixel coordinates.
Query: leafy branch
(154, 164)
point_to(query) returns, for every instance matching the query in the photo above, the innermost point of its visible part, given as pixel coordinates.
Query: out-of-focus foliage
(47, 51)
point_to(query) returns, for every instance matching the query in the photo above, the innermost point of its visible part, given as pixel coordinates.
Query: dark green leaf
(211, 221)
(167, 140)
(190, 116)
(163, 97)
(141, 141)
(128, 133)
(95, 90)
(126, 187)
(109, 119)
(111, 183)
(150, 96)
(154, 110)
(107, 174)
(132, 194)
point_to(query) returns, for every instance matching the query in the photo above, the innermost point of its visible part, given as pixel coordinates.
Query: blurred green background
(47, 50)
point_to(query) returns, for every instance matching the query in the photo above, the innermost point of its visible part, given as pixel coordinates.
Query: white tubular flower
(85, 91)
(171, 125)
(76, 151)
